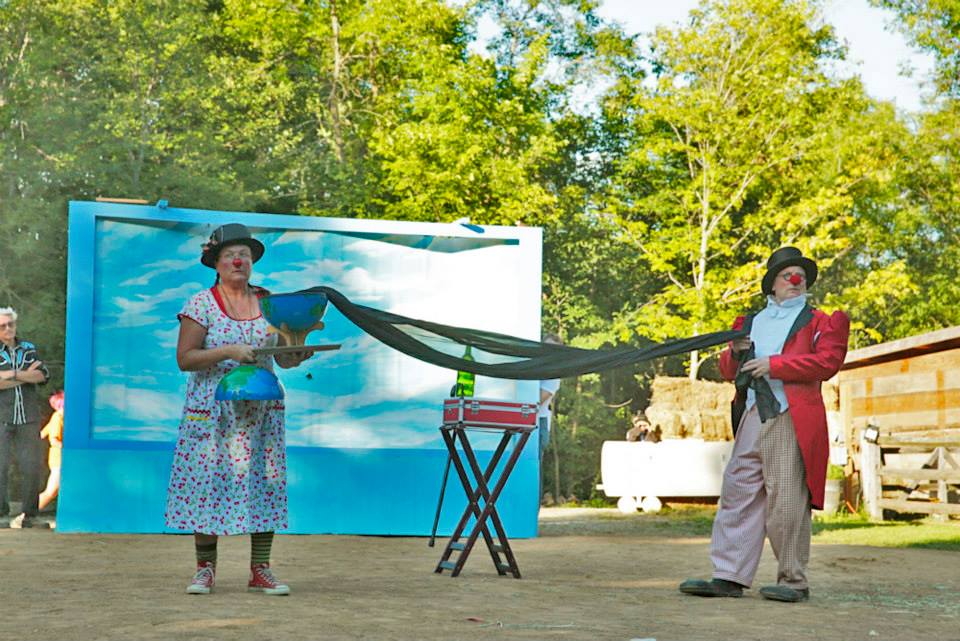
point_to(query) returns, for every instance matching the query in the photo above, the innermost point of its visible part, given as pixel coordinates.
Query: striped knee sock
(260, 545)
(207, 552)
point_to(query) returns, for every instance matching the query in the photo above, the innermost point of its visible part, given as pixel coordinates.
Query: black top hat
(787, 257)
(229, 234)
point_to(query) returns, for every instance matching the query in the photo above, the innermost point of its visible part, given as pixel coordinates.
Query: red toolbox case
(481, 412)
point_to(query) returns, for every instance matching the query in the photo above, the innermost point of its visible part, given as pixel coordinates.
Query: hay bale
(831, 394)
(716, 425)
(684, 408)
(666, 419)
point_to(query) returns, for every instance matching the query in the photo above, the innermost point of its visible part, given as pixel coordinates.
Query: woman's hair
(8, 311)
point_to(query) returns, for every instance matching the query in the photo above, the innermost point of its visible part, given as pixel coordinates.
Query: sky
(876, 50)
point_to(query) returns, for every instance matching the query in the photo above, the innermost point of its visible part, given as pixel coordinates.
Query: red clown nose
(237, 262)
(795, 279)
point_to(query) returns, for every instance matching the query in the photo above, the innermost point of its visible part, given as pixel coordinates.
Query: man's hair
(9, 311)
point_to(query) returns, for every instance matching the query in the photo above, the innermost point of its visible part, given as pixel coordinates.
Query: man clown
(777, 471)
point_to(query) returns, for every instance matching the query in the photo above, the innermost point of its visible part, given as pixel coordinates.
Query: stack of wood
(685, 408)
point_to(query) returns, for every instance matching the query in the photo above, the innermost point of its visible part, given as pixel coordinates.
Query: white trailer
(642, 472)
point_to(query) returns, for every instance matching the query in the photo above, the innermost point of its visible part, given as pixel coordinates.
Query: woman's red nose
(237, 262)
(796, 279)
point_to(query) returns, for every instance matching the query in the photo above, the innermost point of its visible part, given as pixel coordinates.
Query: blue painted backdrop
(364, 452)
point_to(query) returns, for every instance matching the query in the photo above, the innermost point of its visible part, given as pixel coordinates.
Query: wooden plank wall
(908, 395)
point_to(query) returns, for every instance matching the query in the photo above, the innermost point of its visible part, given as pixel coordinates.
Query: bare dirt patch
(593, 574)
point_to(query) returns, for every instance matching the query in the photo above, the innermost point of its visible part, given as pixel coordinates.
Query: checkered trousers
(764, 494)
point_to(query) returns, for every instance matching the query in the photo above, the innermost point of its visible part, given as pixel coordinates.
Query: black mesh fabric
(499, 355)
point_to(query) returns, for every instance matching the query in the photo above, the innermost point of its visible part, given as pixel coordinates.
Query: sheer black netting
(499, 355)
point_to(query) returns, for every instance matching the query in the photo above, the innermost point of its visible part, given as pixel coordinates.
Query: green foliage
(725, 140)
(582, 422)
(742, 145)
(934, 25)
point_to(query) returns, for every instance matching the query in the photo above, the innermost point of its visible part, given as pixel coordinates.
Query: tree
(32, 232)
(485, 136)
(740, 146)
(933, 25)
(923, 240)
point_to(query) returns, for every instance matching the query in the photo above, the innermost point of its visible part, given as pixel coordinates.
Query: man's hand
(33, 374)
(741, 344)
(757, 367)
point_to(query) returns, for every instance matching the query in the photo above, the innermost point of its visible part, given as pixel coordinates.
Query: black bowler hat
(229, 234)
(787, 257)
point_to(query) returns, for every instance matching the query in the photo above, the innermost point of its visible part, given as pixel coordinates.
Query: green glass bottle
(465, 380)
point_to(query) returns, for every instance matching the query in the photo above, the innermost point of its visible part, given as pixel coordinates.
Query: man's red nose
(237, 262)
(796, 279)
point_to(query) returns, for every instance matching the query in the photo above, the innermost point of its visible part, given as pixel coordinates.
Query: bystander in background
(548, 389)
(53, 431)
(21, 371)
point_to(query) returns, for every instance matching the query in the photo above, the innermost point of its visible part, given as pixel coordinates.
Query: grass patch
(598, 502)
(683, 520)
(679, 521)
(857, 530)
(696, 520)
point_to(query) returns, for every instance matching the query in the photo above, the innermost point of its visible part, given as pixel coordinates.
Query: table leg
(490, 499)
(472, 509)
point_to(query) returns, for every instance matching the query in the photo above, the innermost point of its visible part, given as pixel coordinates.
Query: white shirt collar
(787, 307)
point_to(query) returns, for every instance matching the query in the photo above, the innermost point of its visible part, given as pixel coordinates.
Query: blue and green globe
(296, 311)
(249, 383)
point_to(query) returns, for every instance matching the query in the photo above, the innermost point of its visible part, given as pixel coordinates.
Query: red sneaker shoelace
(203, 580)
(262, 578)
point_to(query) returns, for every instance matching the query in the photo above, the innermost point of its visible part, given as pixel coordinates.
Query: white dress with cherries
(229, 472)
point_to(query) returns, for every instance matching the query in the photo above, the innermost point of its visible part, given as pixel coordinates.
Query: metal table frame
(497, 543)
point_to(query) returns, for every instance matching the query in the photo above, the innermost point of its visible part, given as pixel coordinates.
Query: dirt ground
(593, 574)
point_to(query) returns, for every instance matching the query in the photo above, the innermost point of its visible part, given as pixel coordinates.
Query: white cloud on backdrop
(387, 400)
(144, 404)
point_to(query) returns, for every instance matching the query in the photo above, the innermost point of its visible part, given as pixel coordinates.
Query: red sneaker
(202, 582)
(262, 580)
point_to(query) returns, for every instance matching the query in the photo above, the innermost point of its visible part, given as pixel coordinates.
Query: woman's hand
(741, 344)
(292, 359)
(241, 353)
(192, 356)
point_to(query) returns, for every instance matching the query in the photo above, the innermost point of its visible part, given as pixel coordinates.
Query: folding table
(461, 416)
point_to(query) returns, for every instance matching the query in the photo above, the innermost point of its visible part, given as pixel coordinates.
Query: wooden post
(942, 496)
(870, 478)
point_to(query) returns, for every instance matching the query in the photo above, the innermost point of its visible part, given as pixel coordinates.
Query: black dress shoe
(784, 593)
(713, 587)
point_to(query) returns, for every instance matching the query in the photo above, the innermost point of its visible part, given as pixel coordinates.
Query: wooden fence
(905, 397)
(889, 482)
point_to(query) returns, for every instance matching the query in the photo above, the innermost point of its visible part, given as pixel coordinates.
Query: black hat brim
(809, 268)
(209, 257)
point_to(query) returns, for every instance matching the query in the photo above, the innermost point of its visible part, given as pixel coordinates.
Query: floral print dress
(229, 473)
